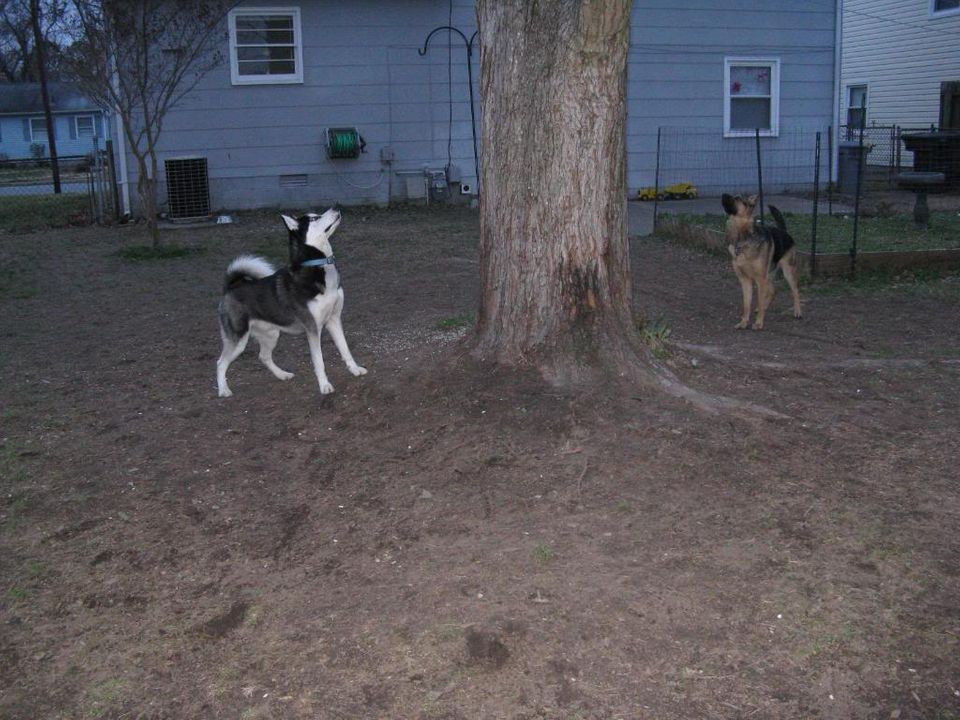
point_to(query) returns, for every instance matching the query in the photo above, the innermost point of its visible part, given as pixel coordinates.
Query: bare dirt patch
(439, 539)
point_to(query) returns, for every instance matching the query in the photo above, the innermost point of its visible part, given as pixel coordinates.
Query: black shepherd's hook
(473, 118)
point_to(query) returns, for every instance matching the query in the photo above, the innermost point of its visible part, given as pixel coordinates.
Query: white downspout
(124, 178)
(837, 79)
(122, 153)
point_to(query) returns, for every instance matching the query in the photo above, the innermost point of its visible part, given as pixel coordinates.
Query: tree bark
(554, 259)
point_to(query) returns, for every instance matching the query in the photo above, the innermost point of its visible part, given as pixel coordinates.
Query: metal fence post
(856, 202)
(656, 184)
(830, 165)
(759, 175)
(816, 209)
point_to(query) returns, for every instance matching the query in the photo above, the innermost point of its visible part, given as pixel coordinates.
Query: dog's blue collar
(319, 262)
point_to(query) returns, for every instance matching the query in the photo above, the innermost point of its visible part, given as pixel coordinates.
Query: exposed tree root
(711, 403)
(625, 357)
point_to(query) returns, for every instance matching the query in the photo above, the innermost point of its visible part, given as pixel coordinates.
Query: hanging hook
(433, 32)
(473, 119)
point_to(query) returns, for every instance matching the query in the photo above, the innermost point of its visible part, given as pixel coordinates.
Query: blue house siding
(675, 82)
(360, 68)
(16, 138)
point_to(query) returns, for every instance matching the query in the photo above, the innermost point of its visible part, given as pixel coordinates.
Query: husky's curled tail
(245, 268)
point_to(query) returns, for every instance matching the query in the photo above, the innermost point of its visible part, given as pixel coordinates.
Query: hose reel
(344, 143)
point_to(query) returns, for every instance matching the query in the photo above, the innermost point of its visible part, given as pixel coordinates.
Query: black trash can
(850, 161)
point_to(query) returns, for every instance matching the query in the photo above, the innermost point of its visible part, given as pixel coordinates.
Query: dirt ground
(440, 540)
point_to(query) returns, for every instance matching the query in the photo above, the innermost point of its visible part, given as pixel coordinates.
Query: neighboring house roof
(25, 99)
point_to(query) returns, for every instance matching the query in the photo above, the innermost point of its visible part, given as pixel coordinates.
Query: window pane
(258, 67)
(38, 129)
(264, 37)
(84, 127)
(265, 53)
(265, 44)
(749, 81)
(854, 117)
(748, 114)
(946, 5)
(858, 95)
(265, 22)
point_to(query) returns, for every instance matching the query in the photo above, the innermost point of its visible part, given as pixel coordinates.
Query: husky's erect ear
(292, 225)
(729, 204)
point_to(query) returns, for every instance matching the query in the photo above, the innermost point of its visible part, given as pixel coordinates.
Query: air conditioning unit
(188, 188)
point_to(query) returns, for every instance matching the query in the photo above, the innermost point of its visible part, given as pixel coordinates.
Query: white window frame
(93, 126)
(848, 107)
(774, 65)
(46, 131)
(934, 13)
(296, 77)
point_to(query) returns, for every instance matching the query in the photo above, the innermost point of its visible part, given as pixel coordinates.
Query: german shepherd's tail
(782, 241)
(246, 268)
(778, 218)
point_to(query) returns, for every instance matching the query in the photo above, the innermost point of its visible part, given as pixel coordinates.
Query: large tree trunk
(554, 260)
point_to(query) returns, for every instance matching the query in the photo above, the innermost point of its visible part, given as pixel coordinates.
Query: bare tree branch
(140, 58)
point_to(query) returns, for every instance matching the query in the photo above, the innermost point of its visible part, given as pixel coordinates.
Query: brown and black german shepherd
(757, 252)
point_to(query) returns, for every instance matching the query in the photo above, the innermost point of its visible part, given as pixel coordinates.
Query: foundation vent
(188, 188)
(293, 181)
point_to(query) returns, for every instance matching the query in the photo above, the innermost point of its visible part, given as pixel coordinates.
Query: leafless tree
(139, 58)
(44, 16)
(18, 47)
(16, 42)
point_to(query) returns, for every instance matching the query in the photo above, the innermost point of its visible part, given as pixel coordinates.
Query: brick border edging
(828, 264)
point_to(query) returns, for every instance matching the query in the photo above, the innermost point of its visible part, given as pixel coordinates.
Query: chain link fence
(884, 175)
(715, 165)
(92, 176)
(886, 156)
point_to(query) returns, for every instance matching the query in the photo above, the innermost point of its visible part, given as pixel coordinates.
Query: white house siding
(902, 54)
(676, 83)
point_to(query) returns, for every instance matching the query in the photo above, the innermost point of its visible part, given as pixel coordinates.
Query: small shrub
(543, 553)
(655, 334)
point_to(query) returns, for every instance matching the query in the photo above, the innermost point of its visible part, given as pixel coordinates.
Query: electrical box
(439, 188)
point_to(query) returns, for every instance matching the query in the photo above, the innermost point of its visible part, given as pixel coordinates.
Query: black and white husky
(261, 301)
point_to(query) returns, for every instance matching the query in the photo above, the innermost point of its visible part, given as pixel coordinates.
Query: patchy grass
(874, 234)
(543, 553)
(103, 698)
(16, 594)
(32, 213)
(917, 283)
(17, 282)
(148, 253)
(454, 323)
